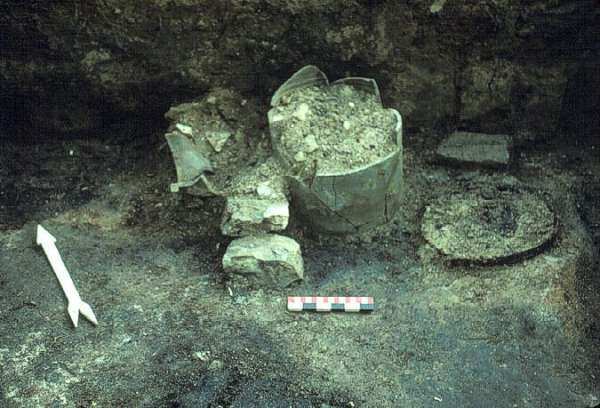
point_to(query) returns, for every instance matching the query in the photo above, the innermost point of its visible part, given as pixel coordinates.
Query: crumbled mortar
(249, 179)
(340, 127)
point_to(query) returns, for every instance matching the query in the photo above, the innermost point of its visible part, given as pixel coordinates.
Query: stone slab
(264, 260)
(478, 149)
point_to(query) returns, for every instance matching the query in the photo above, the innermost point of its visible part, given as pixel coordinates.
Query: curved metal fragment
(367, 85)
(307, 76)
(190, 162)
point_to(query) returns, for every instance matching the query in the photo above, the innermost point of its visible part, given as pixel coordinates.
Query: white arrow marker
(76, 305)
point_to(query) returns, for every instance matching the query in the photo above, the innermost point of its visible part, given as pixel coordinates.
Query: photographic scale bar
(330, 304)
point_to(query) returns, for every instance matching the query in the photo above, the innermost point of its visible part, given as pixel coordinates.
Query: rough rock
(245, 215)
(476, 149)
(264, 260)
(209, 141)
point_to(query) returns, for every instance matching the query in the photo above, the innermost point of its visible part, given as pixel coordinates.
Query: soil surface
(172, 334)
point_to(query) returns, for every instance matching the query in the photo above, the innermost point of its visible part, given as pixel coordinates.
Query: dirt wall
(491, 65)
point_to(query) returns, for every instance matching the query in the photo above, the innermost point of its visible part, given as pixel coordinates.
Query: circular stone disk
(469, 227)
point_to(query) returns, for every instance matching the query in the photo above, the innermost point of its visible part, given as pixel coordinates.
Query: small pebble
(302, 111)
(202, 355)
(186, 130)
(264, 190)
(215, 365)
(311, 143)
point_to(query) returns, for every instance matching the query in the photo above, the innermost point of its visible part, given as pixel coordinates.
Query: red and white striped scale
(330, 303)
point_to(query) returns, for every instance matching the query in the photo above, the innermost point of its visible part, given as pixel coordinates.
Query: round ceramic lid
(474, 227)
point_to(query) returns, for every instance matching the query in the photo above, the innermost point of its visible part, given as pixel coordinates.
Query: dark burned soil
(171, 334)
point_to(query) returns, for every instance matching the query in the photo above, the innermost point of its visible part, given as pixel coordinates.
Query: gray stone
(249, 215)
(310, 143)
(476, 149)
(264, 260)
